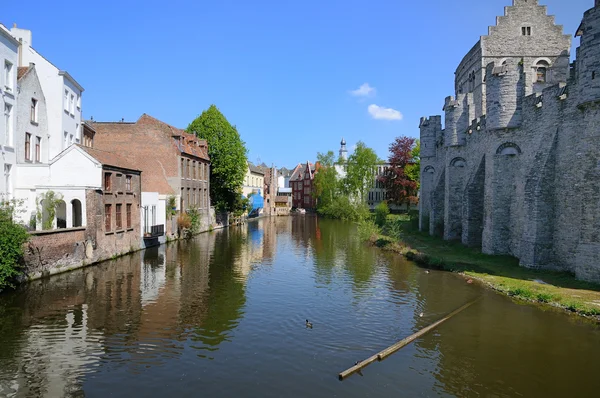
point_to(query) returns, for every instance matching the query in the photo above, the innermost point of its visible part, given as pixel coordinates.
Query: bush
(342, 208)
(184, 221)
(12, 238)
(381, 212)
(194, 216)
(367, 230)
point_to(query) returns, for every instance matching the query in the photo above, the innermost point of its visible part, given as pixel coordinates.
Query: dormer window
(526, 31)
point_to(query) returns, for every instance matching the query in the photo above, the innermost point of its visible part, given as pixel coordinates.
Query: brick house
(270, 189)
(174, 162)
(301, 182)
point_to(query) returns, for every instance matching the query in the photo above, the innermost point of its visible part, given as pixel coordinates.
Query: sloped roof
(22, 71)
(255, 169)
(109, 158)
(188, 143)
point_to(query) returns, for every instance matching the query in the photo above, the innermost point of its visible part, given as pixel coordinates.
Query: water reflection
(224, 314)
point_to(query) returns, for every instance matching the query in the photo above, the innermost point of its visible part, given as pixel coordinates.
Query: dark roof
(109, 158)
(255, 169)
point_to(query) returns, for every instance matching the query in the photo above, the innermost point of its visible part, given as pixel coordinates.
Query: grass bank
(502, 273)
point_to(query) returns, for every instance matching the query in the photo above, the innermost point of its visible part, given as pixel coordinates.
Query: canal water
(224, 315)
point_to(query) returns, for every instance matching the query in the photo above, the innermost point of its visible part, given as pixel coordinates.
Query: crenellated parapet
(431, 134)
(457, 114)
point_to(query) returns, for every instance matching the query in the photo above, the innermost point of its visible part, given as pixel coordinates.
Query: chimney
(14, 25)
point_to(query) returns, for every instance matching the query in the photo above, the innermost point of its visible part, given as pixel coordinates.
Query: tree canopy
(402, 176)
(227, 154)
(360, 171)
(325, 183)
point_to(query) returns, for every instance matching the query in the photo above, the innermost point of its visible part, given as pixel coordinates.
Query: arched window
(541, 70)
(508, 149)
(76, 213)
(429, 169)
(61, 214)
(458, 162)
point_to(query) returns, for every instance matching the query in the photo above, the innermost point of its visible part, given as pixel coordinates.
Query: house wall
(54, 86)
(30, 87)
(8, 52)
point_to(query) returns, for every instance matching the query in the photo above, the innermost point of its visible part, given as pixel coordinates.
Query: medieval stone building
(516, 170)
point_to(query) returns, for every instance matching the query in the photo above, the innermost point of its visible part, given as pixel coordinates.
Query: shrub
(342, 208)
(381, 212)
(12, 238)
(184, 221)
(194, 216)
(367, 230)
(171, 206)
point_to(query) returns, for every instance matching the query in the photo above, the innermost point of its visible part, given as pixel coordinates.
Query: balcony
(154, 231)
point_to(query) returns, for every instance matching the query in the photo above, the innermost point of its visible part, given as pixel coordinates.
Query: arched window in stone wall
(76, 213)
(508, 149)
(541, 70)
(458, 162)
(429, 169)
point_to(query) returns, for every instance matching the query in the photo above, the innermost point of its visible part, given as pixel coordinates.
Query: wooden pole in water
(402, 343)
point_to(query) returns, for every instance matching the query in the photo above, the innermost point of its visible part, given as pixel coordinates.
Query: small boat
(301, 211)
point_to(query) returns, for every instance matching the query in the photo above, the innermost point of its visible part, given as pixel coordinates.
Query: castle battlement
(515, 169)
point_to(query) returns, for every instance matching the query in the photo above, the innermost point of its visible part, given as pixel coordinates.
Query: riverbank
(501, 273)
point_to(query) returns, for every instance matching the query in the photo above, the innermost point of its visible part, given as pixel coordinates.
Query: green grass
(502, 273)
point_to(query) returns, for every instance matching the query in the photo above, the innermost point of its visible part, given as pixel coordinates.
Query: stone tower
(343, 150)
(588, 56)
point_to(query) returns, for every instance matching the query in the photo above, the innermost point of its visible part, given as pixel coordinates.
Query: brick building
(174, 162)
(301, 182)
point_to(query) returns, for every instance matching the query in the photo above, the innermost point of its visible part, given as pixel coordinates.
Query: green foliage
(47, 203)
(227, 154)
(381, 212)
(360, 171)
(241, 205)
(342, 208)
(326, 181)
(401, 178)
(413, 169)
(171, 206)
(194, 221)
(367, 230)
(12, 238)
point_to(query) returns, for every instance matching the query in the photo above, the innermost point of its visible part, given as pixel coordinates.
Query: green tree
(413, 168)
(227, 154)
(360, 171)
(326, 180)
(12, 238)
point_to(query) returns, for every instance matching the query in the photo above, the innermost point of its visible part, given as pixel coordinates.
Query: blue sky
(282, 71)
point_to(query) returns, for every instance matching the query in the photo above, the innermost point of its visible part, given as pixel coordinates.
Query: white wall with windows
(8, 88)
(62, 92)
(153, 212)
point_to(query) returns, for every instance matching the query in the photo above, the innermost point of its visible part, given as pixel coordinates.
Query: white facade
(70, 174)
(153, 212)
(63, 95)
(8, 92)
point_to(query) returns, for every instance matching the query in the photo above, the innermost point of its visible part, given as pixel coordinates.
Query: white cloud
(364, 91)
(381, 113)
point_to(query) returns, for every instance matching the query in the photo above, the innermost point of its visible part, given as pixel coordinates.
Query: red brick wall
(48, 249)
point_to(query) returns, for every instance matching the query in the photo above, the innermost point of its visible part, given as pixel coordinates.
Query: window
(66, 140)
(38, 149)
(128, 216)
(194, 169)
(27, 146)
(182, 168)
(72, 105)
(71, 139)
(8, 124)
(107, 182)
(66, 101)
(128, 183)
(33, 112)
(78, 102)
(118, 216)
(187, 173)
(8, 68)
(541, 70)
(526, 31)
(107, 218)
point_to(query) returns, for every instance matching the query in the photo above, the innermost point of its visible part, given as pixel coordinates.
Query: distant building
(302, 184)
(283, 178)
(254, 181)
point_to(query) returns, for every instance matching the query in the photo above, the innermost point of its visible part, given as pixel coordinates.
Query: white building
(62, 92)
(8, 92)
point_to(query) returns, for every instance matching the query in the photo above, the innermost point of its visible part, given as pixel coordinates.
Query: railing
(154, 231)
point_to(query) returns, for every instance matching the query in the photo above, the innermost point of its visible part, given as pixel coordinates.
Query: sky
(293, 76)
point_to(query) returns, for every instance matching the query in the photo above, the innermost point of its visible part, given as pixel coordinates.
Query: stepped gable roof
(108, 158)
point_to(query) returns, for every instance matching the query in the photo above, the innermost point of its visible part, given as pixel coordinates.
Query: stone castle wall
(523, 179)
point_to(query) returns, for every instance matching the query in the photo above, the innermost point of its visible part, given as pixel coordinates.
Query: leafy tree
(360, 171)
(325, 182)
(381, 212)
(413, 169)
(227, 154)
(401, 177)
(12, 238)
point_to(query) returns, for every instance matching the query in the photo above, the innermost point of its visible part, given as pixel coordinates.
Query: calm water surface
(224, 315)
